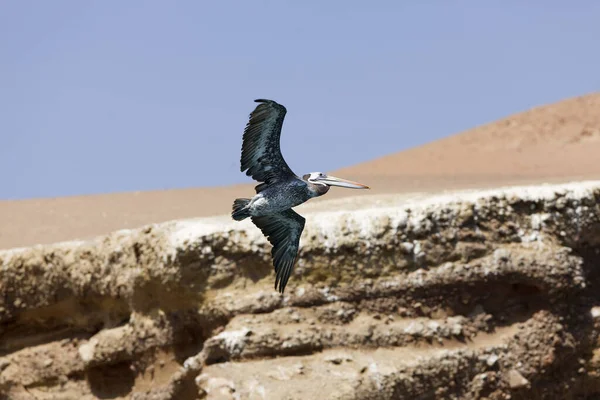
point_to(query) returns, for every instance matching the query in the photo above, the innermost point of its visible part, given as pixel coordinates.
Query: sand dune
(552, 143)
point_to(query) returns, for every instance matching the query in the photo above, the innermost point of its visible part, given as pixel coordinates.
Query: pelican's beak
(333, 181)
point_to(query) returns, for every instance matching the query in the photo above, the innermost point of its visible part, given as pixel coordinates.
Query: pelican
(279, 190)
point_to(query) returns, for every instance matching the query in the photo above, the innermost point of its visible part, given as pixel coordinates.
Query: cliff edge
(482, 294)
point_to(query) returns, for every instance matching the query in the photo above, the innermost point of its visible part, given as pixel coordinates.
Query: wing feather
(283, 230)
(261, 152)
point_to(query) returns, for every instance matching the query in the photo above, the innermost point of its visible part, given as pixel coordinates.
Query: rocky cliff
(469, 295)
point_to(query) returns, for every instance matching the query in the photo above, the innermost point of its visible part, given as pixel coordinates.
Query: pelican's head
(320, 178)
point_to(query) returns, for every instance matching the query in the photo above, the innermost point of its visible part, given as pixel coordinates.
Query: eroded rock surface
(465, 296)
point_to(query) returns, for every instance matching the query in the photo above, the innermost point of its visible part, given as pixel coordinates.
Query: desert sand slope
(559, 141)
(482, 294)
(553, 143)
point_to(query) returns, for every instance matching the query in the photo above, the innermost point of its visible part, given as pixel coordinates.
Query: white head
(319, 178)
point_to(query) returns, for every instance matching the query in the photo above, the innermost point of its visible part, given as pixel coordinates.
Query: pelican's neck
(316, 189)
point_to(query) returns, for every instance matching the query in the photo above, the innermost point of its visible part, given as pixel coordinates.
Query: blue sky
(110, 96)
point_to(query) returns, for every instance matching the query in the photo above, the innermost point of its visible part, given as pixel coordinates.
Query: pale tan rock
(516, 380)
(451, 294)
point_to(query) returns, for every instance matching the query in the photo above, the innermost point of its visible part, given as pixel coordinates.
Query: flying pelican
(280, 188)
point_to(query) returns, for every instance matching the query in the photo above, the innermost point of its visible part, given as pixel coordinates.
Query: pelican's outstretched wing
(283, 231)
(261, 153)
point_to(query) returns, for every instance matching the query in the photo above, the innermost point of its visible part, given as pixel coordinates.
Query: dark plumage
(283, 231)
(261, 153)
(280, 188)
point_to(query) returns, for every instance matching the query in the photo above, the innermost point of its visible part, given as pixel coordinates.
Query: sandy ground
(549, 144)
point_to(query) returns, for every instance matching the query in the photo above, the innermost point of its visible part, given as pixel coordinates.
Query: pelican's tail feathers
(240, 210)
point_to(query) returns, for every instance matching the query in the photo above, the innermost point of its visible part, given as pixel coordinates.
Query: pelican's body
(284, 195)
(280, 189)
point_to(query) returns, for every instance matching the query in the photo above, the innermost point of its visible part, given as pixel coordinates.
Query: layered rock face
(462, 296)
